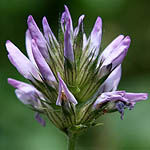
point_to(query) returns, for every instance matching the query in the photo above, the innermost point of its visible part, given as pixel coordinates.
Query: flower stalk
(72, 139)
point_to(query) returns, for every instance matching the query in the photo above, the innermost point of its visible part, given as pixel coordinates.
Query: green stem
(72, 141)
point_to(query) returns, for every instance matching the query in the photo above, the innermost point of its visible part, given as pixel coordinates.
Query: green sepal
(48, 91)
(96, 124)
(69, 71)
(69, 112)
(74, 89)
(77, 129)
(84, 111)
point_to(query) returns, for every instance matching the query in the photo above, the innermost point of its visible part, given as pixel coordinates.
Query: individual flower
(72, 81)
(29, 95)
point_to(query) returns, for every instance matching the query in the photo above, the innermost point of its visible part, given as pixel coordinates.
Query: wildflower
(71, 81)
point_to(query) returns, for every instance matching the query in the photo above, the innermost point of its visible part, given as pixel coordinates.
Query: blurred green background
(19, 130)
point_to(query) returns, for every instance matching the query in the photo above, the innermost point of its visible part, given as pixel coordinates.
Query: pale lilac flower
(118, 100)
(114, 54)
(64, 93)
(29, 95)
(72, 81)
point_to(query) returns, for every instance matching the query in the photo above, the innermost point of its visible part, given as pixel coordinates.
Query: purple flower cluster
(72, 81)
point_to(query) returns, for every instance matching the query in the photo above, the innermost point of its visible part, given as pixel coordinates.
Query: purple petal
(59, 100)
(68, 94)
(28, 47)
(136, 97)
(42, 65)
(38, 37)
(117, 55)
(21, 62)
(120, 107)
(68, 44)
(95, 37)
(126, 98)
(40, 119)
(66, 17)
(66, 22)
(26, 93)
(63, 21)
(80, 21)
(109, 97)
(17, 84)
(111, 83)
(48, 32)
(111, 47)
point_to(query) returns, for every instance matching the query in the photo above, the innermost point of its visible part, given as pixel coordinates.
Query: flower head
(72, 81)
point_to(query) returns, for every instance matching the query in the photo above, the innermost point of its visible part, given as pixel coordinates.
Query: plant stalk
(72, 141)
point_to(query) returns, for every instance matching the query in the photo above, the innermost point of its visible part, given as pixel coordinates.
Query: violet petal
(66, 17)
(111, 83)
(38, 37)
(48, 32)
(120, 107)
(63, 88)
(59, 100)
(40, 119)
(95, 37)
(136, 97)
(68, 44)
(28, 46)
(111, 47)
(16, 57)
(109, 97)
(42, 64)
(17, 84)
(26, 93)
(77, 29)
(117, 55)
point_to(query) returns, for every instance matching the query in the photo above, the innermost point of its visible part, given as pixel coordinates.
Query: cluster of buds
(72, 81)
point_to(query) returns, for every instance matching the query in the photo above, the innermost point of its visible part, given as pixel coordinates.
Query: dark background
(19, 130)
